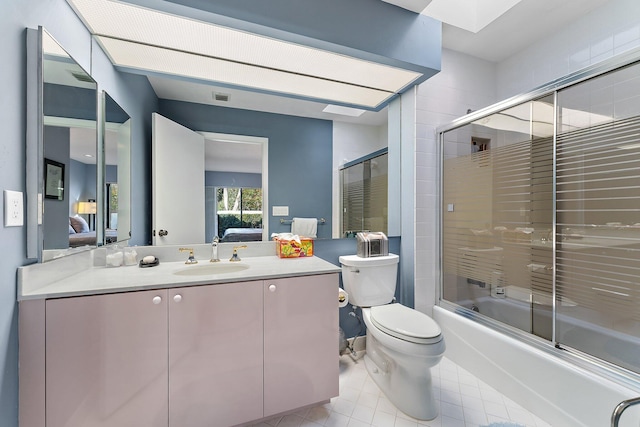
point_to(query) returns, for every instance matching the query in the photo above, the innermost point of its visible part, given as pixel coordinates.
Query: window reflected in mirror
(364, 187)
(237, 214)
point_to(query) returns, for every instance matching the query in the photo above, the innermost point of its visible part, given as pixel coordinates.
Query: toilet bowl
(402, 344)
(401, 366)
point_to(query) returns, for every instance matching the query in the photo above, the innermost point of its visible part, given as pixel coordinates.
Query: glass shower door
(598, 217)
(497, 216)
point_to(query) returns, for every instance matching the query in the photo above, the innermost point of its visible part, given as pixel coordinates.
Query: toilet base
(409, 388)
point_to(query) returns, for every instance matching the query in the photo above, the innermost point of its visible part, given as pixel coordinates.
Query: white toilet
(402, 344)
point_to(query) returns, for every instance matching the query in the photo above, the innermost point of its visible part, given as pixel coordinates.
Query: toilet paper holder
(343, 298)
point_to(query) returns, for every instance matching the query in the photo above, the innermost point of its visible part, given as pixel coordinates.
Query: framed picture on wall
(53, 179)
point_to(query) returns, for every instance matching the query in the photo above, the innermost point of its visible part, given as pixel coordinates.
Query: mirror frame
(34, 145)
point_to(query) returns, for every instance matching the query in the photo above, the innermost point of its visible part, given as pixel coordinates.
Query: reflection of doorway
(234, 161)
(178, 185)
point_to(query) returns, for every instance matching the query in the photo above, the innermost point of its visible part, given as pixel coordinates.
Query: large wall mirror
(69, 147)
(299, 158)
(66, 176)
(117, 174)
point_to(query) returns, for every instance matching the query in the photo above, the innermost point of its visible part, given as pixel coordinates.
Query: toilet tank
(369, 281)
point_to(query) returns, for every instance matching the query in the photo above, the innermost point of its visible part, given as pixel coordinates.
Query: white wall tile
(589, 39)
(464, 83)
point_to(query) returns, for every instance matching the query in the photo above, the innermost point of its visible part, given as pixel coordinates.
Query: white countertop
(102, 280)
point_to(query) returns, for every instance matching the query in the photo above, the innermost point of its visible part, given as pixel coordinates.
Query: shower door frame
(568, 354)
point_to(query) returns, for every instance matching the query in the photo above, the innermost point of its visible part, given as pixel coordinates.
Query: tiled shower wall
(591, 38)
(467, 82)
(464, 83)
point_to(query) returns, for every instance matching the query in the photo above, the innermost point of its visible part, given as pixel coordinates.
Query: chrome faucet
(235, 256)
(214, 250)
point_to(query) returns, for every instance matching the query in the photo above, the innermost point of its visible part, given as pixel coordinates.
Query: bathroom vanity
(157, 347)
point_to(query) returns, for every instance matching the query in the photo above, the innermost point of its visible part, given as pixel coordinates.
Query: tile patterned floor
(464, 401)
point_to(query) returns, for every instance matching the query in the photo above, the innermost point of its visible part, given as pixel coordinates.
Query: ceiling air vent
(222, 97)
(83, 77)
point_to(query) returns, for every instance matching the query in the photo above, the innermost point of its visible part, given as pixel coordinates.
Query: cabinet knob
(177, 298)
(157, 300)
(272, 288)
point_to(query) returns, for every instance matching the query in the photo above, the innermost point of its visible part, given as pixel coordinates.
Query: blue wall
(68, 101)
(300, 155)
(56, 221)
(331, 250)
(82, 184)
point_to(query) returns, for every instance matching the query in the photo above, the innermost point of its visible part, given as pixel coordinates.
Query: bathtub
(559, 387)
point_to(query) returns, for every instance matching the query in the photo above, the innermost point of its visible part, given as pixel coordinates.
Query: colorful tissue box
(293, 249)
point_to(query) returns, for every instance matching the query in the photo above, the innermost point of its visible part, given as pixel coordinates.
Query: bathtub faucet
(476, 282)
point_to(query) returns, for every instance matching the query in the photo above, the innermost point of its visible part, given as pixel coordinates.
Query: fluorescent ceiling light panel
(216, 43)
(143, 57)
(51, 47)
(343, 111)
(470, 15)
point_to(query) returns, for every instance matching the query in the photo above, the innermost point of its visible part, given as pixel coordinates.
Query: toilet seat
(406, 324)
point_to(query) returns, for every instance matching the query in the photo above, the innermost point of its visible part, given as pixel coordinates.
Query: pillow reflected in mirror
(79, 224)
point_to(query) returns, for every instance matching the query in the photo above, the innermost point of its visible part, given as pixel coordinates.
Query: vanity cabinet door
(215, 354)
(106, 360)
(300, 341)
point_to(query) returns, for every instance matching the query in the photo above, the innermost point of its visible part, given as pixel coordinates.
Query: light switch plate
(13, 209)
(280, 210)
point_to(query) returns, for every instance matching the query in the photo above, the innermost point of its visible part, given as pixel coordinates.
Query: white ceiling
(523, 24)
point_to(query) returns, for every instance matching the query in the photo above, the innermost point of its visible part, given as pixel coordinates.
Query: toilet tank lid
(406, 323)
(355, 260)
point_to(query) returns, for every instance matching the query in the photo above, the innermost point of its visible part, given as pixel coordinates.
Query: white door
(178, 184)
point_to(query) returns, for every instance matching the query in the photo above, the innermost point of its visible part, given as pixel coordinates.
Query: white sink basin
(211, 269)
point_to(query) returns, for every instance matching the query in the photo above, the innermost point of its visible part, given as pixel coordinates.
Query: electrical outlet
(13, 209)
